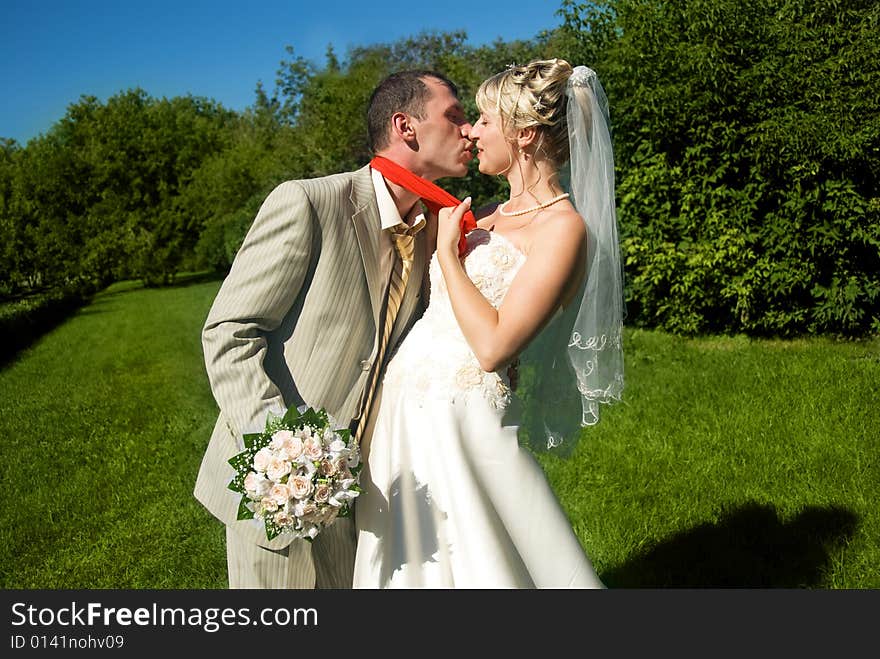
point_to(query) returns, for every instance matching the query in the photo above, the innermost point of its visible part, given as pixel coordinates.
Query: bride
(452, 499)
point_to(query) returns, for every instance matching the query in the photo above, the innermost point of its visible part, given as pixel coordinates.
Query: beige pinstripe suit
(297, 321)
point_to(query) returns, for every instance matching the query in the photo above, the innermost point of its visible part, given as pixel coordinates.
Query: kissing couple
(383, 300)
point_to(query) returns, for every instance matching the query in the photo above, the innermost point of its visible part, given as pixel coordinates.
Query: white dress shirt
(390, 218)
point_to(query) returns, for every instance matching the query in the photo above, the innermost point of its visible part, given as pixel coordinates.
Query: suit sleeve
(262, 285)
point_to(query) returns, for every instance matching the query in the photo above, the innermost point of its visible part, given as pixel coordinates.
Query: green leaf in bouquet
(274, 423)
(272, 531)
(242, 461)
(243, 511)
(290, 417)
(237, 484)
(250, 438)
(312, 418)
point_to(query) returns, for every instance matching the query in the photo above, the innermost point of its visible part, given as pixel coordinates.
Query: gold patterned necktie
(403, 238)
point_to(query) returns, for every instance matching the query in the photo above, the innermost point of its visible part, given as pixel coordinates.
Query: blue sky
(51, 52)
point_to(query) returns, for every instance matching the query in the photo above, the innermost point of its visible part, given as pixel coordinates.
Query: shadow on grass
(23, 330)
(748, 547)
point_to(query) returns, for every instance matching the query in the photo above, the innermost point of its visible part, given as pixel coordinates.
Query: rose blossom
(313, 448)
(268, 505)
(295, 447)
(250, 481)
(309, 513)
(328, 467)
(322, 493)
(280, 494)
(281, 439)
(262, 458)
(282, 518)
(301, 486)
(277, 468)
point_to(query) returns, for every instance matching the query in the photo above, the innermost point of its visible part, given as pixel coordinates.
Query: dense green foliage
(748, 141)
(747, 136)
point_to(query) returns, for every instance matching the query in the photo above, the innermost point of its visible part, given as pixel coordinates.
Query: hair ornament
(581, 76)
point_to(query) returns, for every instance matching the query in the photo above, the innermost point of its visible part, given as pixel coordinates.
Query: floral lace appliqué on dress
(491, 262)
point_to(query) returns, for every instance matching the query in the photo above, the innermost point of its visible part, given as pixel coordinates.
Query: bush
(747, 134)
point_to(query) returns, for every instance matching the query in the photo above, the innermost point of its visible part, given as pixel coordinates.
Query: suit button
(366, 364)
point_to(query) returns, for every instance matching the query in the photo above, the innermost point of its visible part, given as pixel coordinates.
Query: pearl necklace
(525, 211)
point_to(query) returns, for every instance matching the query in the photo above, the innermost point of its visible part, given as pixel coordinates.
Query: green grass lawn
(732, 462)
(104, 423)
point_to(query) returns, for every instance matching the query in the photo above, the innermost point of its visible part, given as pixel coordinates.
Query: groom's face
(444, 147)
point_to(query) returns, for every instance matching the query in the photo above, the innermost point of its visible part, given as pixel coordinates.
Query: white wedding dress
(451, 500)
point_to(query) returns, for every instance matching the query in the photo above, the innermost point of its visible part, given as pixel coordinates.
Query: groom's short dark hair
(406, 92)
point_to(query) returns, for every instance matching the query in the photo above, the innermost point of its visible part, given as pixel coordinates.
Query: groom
(298, 320)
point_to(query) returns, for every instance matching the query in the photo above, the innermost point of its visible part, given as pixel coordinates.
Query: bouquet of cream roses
(298, 475)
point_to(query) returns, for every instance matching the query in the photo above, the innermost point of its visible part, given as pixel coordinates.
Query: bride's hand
(449, 226)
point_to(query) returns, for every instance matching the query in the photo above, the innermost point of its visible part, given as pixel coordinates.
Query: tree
(94, 198)
(11, 272)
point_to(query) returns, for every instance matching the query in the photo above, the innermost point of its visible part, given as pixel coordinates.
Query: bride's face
(494, 148)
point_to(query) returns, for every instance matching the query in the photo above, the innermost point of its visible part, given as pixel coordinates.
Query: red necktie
(433, 195)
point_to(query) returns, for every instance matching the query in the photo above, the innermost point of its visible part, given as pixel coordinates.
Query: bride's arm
(552, 265)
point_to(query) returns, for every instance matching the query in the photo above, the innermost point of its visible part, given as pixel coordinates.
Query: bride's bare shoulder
(564, 221)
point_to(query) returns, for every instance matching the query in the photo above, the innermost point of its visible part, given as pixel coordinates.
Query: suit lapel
(367, 226)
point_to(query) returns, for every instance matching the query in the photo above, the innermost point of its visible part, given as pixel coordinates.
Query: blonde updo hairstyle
(531, 95)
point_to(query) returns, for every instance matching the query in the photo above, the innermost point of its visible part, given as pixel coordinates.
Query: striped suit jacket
(297, 321)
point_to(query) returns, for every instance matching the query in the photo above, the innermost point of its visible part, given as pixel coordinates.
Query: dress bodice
(435, 358)
(491, 262)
